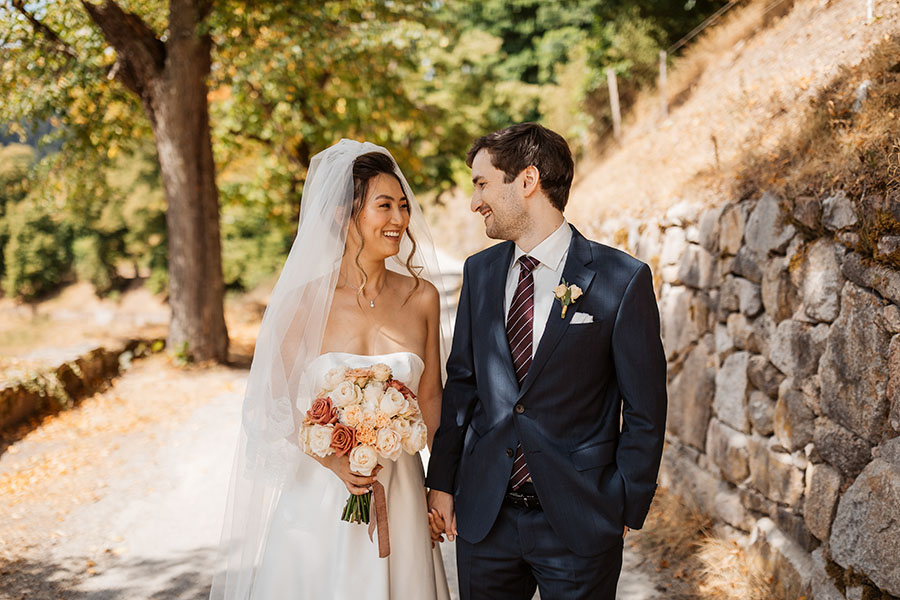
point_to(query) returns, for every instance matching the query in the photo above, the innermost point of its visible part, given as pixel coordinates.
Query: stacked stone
(784, 384)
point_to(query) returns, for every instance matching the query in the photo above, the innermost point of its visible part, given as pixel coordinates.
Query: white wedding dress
(310, 554)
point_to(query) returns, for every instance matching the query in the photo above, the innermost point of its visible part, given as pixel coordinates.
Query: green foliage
(93, 264)
(15, 161)
(256, 236)
(38, 253)
(289, 79)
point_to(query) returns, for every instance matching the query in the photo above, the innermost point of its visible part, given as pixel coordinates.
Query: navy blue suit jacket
(590, 414)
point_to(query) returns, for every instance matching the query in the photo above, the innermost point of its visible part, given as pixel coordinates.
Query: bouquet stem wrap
(380, 521)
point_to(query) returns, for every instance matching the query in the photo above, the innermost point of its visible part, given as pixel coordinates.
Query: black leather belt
(524, 497)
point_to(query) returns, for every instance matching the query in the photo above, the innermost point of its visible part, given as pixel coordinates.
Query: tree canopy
(286, 80)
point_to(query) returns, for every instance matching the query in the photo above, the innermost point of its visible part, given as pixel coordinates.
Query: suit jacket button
(509, 452)
(519, 409)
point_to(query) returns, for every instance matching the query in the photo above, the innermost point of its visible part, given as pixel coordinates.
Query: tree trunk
(170, 78)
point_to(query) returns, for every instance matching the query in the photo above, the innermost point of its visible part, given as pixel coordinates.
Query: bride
(357, 289)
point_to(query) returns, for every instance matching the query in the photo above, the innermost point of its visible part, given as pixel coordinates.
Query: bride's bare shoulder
(422, 292)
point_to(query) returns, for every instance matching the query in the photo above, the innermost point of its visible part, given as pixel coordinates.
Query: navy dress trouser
(522, 552)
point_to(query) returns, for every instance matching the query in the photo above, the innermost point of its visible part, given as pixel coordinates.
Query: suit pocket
(594, 456)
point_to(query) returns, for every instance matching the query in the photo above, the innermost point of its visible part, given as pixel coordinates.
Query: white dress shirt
(551, 253)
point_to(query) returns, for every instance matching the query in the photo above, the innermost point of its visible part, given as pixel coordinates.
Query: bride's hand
(356, 484)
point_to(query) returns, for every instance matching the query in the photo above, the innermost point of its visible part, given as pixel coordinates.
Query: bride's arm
(430, 383)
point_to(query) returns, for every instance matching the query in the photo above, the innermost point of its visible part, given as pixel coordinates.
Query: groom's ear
(531, 180)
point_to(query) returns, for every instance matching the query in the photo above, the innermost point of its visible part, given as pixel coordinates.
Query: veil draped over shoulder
(268, 454)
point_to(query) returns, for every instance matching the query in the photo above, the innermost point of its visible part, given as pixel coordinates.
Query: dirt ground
(123, 496)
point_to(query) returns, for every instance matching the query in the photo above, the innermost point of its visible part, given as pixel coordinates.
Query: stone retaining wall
(76, 377)
(784, 384)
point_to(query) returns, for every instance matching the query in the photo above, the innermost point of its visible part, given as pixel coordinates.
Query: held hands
(441, 516)
(356, 484)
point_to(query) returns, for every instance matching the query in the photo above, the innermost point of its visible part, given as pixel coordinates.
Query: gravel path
(122, 498)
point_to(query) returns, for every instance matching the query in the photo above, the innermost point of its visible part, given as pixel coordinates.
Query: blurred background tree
(92, 91)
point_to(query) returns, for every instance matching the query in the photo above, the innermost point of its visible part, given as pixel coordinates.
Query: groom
(555, 403)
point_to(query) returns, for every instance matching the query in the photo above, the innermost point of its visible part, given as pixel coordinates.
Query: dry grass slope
(743, 98)
(682, 544)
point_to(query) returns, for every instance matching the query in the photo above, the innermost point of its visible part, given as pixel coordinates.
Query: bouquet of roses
(369, 415)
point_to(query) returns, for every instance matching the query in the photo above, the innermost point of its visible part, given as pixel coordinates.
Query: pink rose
(343, 439)
(322, 412)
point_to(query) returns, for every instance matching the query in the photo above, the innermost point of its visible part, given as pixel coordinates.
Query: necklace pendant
(371, 303)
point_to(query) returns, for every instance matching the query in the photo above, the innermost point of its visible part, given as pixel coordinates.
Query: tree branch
(141, 56)
(55, 41)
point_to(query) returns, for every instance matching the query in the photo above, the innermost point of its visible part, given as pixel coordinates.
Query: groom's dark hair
(520, 146)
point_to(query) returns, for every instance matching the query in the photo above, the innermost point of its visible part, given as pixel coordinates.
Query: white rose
(393, 402)
(402, 427)
(369, 418)
(363, 459)
(303, 438)
(388, 443)
(418, 437)
(381, 372)
(412, 410)
(372, 394)
(346, 394)
(334, 377)
(320, 440)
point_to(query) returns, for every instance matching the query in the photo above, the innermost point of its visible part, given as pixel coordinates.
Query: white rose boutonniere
(566, 294)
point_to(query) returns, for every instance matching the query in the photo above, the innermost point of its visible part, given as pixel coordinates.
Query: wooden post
(614, 102)
(663, 105)
(870, 11)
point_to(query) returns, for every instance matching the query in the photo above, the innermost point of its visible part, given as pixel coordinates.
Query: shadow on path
(183, 577)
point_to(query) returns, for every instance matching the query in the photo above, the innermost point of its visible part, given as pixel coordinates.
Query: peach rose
(365, 435)
(411, 411)
(417, 439)
(322, 412)
(381, 420)
(401, 426)
(387, 443)
(358, 376)
(351, 415)
(363, 460)
(368, 418)
(343, 439)
(381, 372)
(560, 291)
(576, 292)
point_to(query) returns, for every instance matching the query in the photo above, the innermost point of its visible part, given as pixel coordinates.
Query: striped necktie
(519, 332)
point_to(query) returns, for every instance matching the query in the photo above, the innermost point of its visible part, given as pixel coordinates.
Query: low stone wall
(784, 384)
(81, 375)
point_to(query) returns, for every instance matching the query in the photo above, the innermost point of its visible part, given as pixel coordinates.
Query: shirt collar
(551, 251)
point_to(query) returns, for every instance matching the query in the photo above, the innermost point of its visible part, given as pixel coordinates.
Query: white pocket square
(581, 317)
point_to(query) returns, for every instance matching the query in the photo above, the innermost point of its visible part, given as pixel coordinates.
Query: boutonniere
(566, 294)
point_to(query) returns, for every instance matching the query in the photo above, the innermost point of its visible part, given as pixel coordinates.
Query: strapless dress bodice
(406, 367)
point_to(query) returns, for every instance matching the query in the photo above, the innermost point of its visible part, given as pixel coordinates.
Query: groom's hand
(442, 502)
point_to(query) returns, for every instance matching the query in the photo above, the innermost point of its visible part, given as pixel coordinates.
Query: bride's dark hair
(365, 168)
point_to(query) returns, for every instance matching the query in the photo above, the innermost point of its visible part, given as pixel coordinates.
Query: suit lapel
(495, 318)
(575, 272)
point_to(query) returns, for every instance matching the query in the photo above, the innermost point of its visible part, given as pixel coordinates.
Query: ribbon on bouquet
(378, 520)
